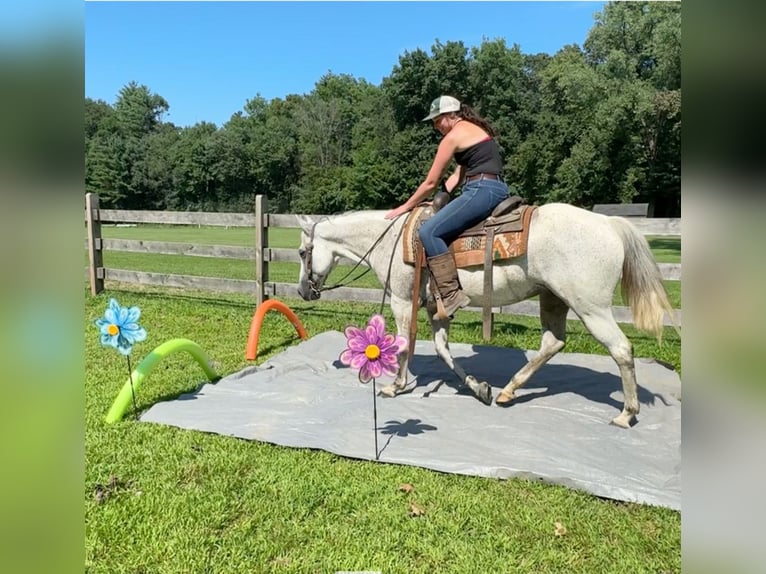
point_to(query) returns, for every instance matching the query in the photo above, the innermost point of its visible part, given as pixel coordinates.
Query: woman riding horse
(469, 139)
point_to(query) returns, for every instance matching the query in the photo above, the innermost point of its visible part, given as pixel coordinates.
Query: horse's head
(317, 260)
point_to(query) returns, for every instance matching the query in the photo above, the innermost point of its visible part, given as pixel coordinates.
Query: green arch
(121, 403)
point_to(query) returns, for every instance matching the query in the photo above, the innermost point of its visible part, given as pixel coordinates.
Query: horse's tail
(642, 287)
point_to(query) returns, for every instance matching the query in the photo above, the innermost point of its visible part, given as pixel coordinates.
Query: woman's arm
(454, 180)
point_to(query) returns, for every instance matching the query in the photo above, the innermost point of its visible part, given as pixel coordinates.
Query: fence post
(95, 259)
(261, 243)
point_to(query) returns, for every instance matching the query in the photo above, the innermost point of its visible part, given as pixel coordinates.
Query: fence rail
(262, 255)
(178, 217)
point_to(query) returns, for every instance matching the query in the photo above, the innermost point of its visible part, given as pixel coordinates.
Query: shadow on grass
(187, 394)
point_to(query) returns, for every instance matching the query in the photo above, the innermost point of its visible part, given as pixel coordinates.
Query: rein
(307, 259)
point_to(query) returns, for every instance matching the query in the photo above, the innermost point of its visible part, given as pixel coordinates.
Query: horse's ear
(306, 223)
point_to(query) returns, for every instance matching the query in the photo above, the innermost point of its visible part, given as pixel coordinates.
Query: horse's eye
(302, 253)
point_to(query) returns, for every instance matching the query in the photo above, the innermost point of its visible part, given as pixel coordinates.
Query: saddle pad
(469, 250)
(415, 219)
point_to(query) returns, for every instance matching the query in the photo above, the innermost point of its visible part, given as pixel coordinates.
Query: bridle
(307, 256)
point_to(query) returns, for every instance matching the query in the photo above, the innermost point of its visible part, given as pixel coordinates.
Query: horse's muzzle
(307, 293)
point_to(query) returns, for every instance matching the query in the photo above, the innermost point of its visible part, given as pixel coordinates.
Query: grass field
(164, 500)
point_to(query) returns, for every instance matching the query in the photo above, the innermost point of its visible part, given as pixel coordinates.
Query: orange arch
(251, 350)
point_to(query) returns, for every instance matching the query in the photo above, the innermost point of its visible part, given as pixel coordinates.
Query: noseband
(307, 257)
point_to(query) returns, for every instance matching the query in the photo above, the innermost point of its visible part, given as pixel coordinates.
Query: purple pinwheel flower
(119, 327)
(372, 351)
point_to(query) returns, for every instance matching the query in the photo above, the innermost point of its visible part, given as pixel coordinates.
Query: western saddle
(503, 235)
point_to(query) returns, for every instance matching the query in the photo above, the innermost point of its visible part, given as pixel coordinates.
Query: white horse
(574, 260)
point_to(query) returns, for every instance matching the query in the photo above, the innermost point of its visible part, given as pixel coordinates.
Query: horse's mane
(354, 212)
(349, 214)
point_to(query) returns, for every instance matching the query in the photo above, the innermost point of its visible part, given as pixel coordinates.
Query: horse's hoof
(482, 390)
(485, 394)
(392, 390)
(387, 391)
(504, 399)
(623, 420)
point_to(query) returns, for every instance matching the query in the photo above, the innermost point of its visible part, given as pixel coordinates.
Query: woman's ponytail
(468, 114)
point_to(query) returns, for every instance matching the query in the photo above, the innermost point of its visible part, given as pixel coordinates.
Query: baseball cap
(442, 105)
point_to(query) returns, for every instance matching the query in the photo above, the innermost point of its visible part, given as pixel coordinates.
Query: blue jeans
(472, 206)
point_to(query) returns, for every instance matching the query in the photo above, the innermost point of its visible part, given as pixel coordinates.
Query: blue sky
(208, 58)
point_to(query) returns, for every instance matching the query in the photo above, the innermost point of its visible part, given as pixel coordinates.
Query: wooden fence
(261, 288)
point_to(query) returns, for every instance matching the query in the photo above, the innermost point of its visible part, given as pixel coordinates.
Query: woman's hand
(394, 213)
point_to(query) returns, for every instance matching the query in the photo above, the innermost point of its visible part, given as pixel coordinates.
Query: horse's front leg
(440, 329)
(402, 311)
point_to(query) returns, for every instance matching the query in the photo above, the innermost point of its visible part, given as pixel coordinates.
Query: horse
(574, 260)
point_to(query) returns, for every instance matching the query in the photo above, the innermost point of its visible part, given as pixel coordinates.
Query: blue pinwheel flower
(119, 327)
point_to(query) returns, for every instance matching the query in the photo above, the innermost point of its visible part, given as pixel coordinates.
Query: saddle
(503, 235)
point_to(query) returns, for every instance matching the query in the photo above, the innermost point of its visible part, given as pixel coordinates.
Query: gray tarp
(556, 430)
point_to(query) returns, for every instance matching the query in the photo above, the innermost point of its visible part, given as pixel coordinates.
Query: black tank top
(482, 157)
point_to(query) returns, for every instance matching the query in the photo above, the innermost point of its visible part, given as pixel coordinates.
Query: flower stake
(373, 353)
(120, 329)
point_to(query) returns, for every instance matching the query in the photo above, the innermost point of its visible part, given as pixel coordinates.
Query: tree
(646, 34)
(640, 43)
(99, 116)
(408, 87)
(118, 161)
(102, 151)
(568, 92)
(159, 162)
(102, 168)
(138, 111)
(272, 150)
(194, 176)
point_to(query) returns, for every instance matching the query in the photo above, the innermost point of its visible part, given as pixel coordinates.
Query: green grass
(242, 236)
(665, 249)
(184, 501)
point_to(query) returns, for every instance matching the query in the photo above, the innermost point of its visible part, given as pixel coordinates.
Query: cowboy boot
(450, 295)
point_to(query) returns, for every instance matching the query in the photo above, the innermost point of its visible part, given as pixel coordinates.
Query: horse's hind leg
(601, 324)
(440, 328)
(553, 317)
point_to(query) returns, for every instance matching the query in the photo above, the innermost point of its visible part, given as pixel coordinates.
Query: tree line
(599, 123)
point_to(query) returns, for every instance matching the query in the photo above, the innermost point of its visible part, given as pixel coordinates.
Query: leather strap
(486, 316)
(415, 297)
